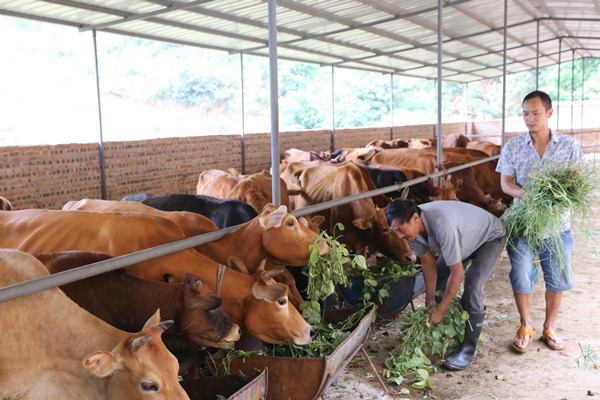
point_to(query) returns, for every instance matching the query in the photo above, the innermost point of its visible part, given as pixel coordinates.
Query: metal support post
(504, 74)
(558, 83)
(272, 4)
(243, 143)
(101, 143)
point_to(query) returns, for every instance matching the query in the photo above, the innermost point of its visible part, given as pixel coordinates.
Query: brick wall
(49, 176)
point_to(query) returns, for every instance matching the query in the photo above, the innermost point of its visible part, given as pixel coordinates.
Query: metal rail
(86, 271)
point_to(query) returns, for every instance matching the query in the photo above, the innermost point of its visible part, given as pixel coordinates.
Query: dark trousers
(483, 260)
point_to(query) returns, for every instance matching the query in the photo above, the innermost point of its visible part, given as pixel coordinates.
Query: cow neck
(235, 289)
(243, 243)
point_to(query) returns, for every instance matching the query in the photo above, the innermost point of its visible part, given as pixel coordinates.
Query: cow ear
(153, 321)
(318, 220)
(271, 292)
(363, 222)
(272, 219)
(237, 264)
(404, 194)
(101, 363)
(193, 300)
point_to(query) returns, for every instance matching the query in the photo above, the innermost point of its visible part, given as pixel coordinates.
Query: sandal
(550, 338)
(522, 334)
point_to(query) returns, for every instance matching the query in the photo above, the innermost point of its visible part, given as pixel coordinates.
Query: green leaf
(419, 385)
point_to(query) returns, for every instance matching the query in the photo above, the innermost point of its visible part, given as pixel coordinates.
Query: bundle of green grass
(552, 192)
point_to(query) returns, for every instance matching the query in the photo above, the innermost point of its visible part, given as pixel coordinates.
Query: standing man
(457, 232)
(520, 156)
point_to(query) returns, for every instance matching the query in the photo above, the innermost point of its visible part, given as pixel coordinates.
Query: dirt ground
(498, 372)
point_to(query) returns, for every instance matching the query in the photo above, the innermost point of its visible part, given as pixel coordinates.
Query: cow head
(286, 240)
(140, 366)
(270, 316)
(202, 320)
(382, 238)
(447, 189)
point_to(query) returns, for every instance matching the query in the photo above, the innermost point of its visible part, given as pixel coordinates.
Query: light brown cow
(488, 148)
(388, 144)
(53, 349)
(255, 189)
(191, 224)
(255, 302)
(365, 224)
(455, 140)
(283, 245)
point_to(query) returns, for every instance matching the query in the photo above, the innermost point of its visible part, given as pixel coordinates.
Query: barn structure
(444, 40)
(478, 39)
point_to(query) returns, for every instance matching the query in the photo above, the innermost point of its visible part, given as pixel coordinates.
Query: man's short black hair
(402, 210)
(546, 101)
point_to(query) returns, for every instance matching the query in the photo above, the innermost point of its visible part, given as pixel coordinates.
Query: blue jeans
(556, 265)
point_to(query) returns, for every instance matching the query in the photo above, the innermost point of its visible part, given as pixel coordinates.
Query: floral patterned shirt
(518, 158)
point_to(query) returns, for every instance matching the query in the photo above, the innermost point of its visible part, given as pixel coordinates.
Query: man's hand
(435, 315)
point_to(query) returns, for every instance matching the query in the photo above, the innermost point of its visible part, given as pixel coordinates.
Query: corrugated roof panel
(366, 34)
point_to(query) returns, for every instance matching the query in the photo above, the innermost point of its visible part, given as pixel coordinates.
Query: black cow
(223, 212)
(388, 177)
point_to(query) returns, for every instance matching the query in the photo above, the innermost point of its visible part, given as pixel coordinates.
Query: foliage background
(151, 89)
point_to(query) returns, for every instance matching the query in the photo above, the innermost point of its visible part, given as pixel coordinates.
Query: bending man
(457, 232)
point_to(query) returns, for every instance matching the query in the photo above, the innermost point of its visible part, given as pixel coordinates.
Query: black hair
(546, 101)
(402, 210)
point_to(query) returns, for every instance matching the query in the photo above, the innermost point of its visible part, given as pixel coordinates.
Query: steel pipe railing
(86, 271)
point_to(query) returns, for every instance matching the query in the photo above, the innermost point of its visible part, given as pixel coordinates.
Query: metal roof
(387, 36)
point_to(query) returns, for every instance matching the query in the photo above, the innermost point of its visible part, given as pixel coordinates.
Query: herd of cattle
(77, 341)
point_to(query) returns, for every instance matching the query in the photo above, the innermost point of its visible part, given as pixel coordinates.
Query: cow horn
(163, 326)
(271, 273)
(139, 342)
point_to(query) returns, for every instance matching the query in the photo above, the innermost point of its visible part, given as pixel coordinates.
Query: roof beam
(136, 17)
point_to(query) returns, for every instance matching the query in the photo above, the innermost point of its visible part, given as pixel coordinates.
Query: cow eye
(149, 386)
(282, 301)
(290, 222)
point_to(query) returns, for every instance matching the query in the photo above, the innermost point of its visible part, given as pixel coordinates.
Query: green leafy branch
(420, 341)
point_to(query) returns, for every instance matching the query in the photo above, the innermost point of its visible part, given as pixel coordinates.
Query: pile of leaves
(411, 360)
(552, 191)
(378, 277)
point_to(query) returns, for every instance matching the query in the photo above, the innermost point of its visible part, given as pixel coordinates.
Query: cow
(138, 197)
(191, 224)
(417, 143)
(54, 349)
(123, 300)
(455, 140)
(5, 204)
(223, 212)
(251, 242)
(488, 148)
(388, 144)
(365, 223)
(293, 155)
(255, 189)
(254, 301)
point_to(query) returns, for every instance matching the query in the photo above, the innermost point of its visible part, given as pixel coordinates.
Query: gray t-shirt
(455, 230)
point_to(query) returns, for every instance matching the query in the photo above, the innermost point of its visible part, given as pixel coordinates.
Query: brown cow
(365, 224)
(5, 204)
(53, 349)
(488, 148)
(255, 302)
(191, 224)
(455, 140)
(255, 189)
(388, 144)
(294, 155)
(417, 143)
(251, 242)
(123, 300)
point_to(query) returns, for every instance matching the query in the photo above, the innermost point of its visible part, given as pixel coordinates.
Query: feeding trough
(232, 387)
(307, 378)
(401, 293)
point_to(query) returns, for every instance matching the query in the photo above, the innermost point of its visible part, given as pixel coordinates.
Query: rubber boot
(463, 357)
